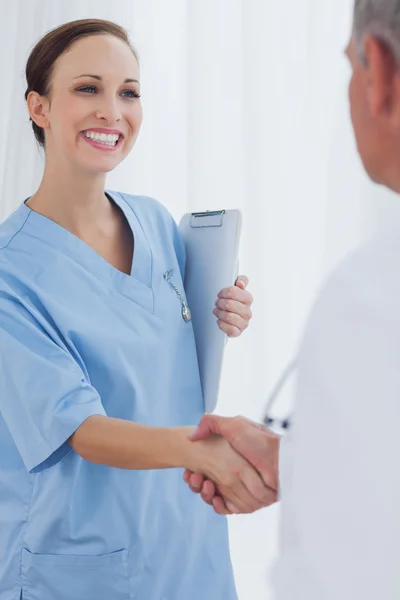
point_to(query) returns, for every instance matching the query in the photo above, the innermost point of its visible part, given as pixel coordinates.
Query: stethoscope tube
(269, 421)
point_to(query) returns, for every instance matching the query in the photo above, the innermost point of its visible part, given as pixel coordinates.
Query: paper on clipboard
(212, 245)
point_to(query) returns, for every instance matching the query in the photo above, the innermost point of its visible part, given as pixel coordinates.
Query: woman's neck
(75, 201)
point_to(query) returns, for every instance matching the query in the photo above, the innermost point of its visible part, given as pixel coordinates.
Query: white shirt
(340, 472)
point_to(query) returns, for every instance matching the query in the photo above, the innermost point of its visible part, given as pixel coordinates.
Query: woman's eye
(131, 94)
(90, 89)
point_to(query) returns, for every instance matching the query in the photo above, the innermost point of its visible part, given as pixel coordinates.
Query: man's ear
(380, 74)
(38, 107)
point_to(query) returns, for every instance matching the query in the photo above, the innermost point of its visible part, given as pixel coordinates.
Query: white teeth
(104, 138)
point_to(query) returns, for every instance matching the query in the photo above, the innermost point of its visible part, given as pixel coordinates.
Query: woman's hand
(233, 308)
(251, 440)
(235, 480)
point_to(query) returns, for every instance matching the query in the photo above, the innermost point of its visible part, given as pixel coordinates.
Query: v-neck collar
(142, 258)
(136, 285)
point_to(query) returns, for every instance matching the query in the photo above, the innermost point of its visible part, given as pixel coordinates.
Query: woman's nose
(109, 111)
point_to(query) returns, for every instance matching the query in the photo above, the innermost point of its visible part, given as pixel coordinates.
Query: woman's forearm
(126, 445)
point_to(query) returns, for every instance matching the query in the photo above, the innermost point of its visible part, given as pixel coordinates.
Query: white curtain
(245, 106)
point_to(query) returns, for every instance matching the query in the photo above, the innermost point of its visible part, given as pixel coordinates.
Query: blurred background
(245, 105)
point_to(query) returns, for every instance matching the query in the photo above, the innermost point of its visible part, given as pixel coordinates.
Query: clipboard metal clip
(208, 218)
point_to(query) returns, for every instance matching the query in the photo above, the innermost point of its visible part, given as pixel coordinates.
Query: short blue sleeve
(44, 396)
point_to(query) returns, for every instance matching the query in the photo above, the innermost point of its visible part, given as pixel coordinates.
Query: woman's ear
(38, 107)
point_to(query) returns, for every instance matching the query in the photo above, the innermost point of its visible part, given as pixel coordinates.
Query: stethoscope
(279, 425)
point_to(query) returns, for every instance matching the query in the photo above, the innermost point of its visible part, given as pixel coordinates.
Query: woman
(99, 380)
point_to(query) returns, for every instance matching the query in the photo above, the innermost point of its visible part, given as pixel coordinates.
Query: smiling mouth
(111, 139)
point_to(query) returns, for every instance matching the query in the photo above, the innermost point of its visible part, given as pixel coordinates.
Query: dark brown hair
(39, 67)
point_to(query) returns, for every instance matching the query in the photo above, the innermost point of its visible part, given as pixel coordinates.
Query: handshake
(238, 469)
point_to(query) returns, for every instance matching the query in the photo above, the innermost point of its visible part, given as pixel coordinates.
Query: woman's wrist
(181, 450)
(127, 445)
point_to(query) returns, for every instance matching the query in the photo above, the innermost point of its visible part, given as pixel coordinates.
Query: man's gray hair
(379, 18)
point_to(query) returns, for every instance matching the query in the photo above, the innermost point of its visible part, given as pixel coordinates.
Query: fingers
(236, 508)
(236, 293)
(208, 492)
(238, 499)
(221, 508)
(210, 496)
(244, 489)
(259, 447)
(196, 482)
(242, 281)
(232, 307)
(237, 475)
(199, 485)
(209, 425)
(227, 427)
(232, 323)
(245, 422)
(264, 495)
(230, 330)
(271, 498)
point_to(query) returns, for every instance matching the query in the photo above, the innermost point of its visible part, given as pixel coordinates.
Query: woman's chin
(99, 167)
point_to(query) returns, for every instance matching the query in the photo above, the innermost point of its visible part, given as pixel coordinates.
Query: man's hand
(257, 445)
(233, 308)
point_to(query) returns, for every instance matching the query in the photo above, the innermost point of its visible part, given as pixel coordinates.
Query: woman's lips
(97, 144)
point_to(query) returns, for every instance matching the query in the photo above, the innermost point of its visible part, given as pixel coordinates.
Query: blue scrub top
(80, 338)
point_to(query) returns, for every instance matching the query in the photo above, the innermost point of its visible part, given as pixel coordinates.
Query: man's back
(339, 464)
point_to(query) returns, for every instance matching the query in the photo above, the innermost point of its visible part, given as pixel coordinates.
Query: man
(339, 472)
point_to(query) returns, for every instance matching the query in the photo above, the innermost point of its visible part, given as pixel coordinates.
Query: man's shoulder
(363, 291)
(369, 275)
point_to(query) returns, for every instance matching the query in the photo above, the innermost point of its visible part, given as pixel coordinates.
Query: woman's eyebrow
(101, 79)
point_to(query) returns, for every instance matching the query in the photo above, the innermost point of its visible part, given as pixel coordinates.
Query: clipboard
(211, 240)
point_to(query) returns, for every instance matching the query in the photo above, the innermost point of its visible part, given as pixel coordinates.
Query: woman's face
(93, 113)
